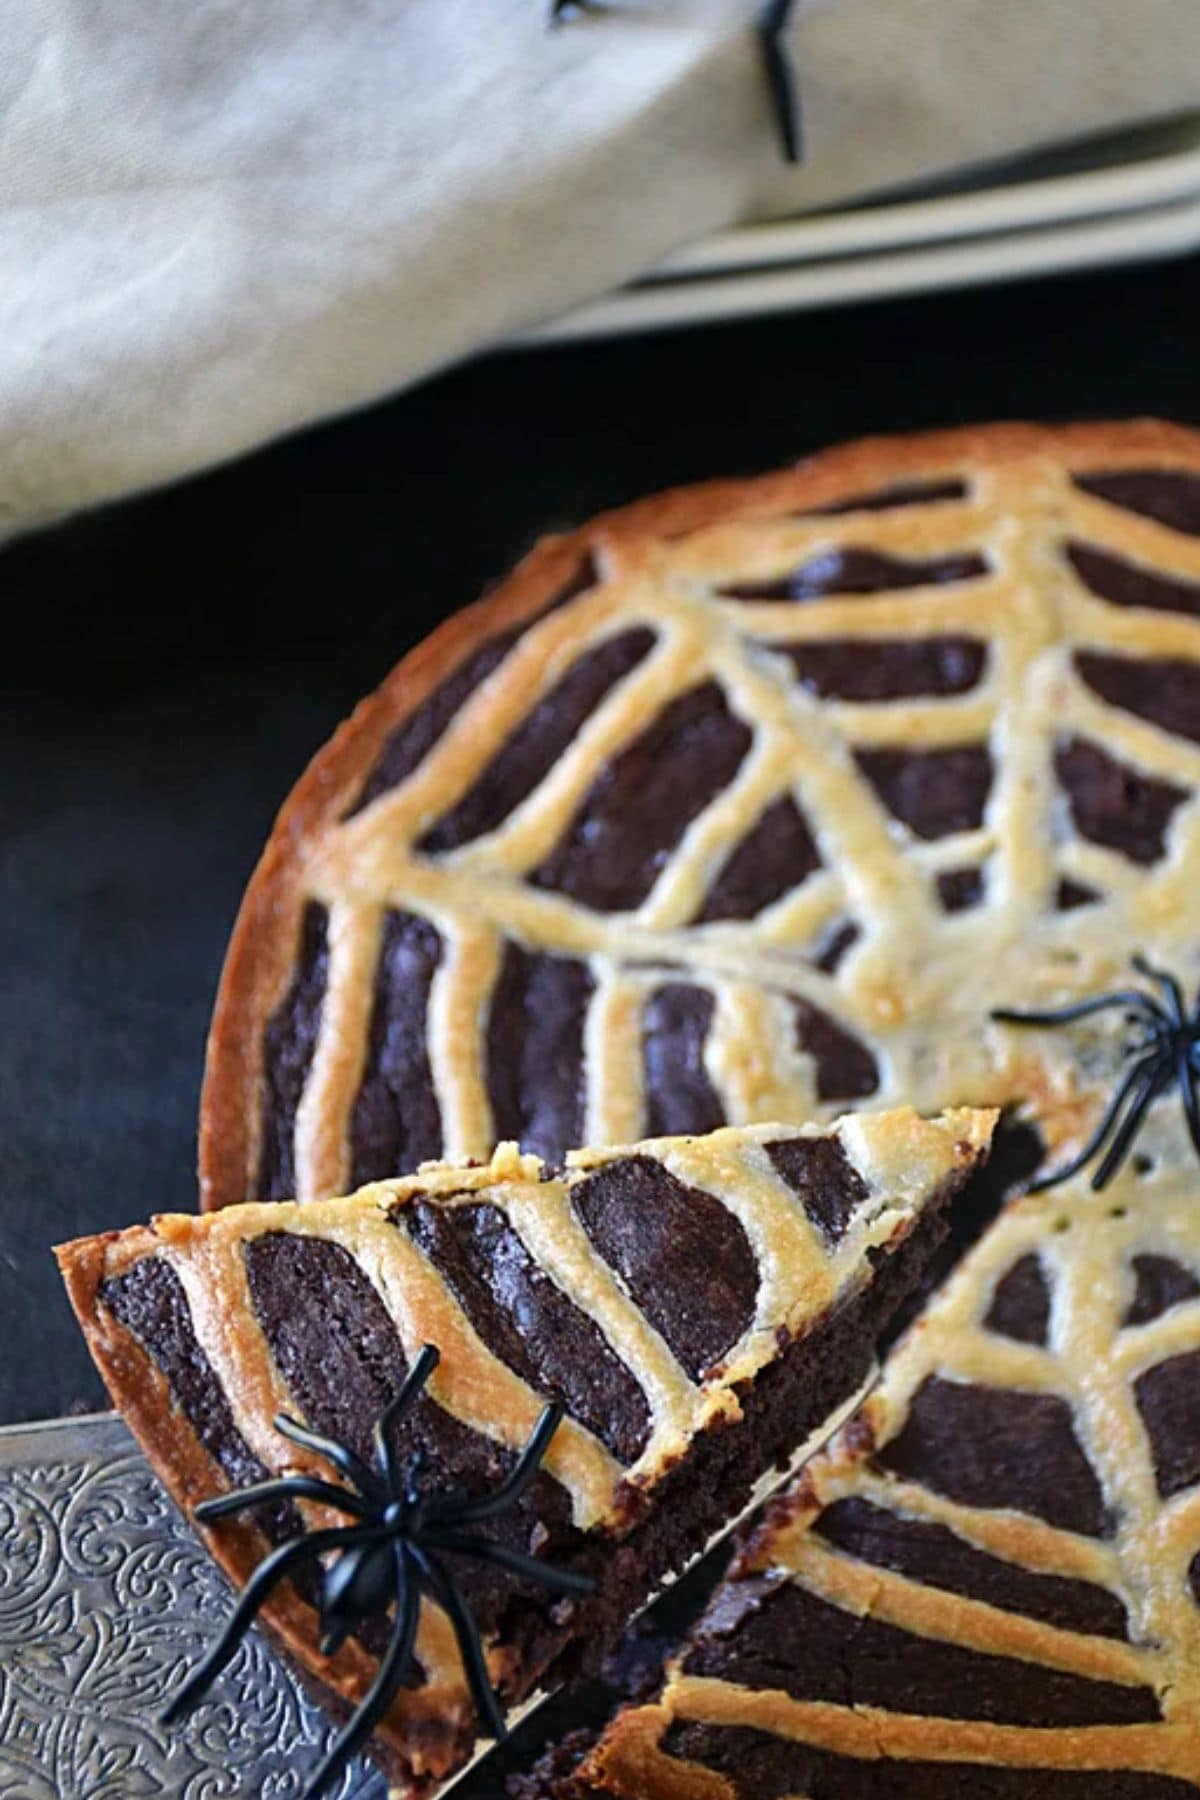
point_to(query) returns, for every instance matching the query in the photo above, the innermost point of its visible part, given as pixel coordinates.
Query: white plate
(1131, 197)
(1148, 167)
(1149, 232)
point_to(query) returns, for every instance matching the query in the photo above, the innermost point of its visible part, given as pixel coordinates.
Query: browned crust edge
(264, 935)
(140, 1391)
(142, 1395)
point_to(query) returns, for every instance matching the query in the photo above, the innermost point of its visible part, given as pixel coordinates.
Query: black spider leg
(519, 1477)
(562, 1581)
(358, 1582)
(356, 1471)
(1170, 987)
(1185, 1038)
(1185, 1071)
(283, 1487)
(442, 1533)
(449, 1596)
(387, 1454)
(388, 1679)
(256, 1592)
(1148, 1090)
(781, 82)
(562, 10)
(1066, 1015)
(1139, 1072)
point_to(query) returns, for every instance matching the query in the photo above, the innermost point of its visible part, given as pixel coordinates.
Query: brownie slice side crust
(989, 1583)
(686, 1376)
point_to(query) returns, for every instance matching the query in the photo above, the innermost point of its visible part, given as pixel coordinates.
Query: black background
(171, 663)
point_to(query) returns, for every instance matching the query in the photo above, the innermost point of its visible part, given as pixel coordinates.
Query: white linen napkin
(221, 219)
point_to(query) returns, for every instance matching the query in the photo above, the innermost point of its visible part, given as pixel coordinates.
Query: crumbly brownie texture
(700, 1306)
(747, 802)
(989, 1585)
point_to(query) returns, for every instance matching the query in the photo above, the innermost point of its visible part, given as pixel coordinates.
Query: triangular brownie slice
(700, 1305)
(989, 1583)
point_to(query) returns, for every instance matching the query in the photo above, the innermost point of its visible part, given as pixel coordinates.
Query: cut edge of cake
(989, 1579)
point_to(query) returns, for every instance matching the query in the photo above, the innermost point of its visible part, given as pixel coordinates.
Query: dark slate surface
(171, 663)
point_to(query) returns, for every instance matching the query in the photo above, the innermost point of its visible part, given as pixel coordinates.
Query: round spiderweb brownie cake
(749, 802)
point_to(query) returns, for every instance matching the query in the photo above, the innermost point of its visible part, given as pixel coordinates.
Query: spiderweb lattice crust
(748, 803)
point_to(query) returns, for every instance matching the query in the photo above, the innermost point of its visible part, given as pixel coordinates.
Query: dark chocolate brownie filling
(991, 1447)
(530, 1323)
(288, 1046)
(1170, 496)
(768, 1633)
(683, 1257)
(1070, 894)
(149, 1301)
(1114, 805)
(760, 1766)
(408, 745)
(341, 1357)
(814, 1374)
(936, 1556)
(933, 792)
(644, 800)
(1168, 1398)
(834, 945)
(536, 745)
(886, 668)
(819, 1172)
(679, 1097)
(1124, 583)
(845, 1068)
(960, 889)
(774, 857)
(853, 570)
(635, 1667)
(535, 1058)
(397, 1122)
(1163, 689)
(707, 1486)
(901, 493)
(1161, 1284)
(415, 736)
(1020, 1306)
(550, 1777)
(1017, 1153)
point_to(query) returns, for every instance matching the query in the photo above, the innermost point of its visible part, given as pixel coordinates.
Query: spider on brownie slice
(394, 1552)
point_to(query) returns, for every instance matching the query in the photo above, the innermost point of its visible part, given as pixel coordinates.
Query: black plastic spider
(1168, 1051)
(392, 1554)
(773, 22)
(772, 25)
